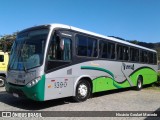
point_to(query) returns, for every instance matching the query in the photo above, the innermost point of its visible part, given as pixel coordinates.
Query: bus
(56, 61)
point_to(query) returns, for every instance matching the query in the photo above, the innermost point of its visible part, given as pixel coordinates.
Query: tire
(83, 91)
(2, 81)
(139, 83)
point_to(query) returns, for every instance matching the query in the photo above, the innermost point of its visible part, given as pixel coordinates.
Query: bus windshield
(28, 50)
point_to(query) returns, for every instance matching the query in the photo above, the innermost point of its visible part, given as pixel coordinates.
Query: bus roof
(97, 35)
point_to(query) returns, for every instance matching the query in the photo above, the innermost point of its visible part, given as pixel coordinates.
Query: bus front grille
(17, 91)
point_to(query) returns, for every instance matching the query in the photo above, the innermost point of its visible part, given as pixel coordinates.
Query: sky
(128, 19)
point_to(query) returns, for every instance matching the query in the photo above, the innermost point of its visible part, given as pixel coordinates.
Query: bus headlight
(33, 82)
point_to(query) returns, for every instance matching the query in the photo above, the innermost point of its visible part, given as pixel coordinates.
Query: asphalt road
(117, 100)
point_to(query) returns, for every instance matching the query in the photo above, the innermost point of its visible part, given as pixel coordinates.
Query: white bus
(55, 61)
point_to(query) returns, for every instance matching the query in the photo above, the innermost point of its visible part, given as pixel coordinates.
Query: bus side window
(81, 45)
(145, 56)
(141, 56)
(155, 58)
(111, 50)
(134, 54)
(103, 53)
(67, 49)
(86, 46)
(125, 53)
(119, 52)
(150, 57)
(60, 49)
(59, 52)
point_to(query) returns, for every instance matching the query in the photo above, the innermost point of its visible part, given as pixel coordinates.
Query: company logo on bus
(125, 66)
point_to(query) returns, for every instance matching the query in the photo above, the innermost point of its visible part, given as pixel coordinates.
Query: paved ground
(123, 100)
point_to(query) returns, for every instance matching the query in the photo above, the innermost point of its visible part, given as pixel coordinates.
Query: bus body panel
(106, 75)
(58, 84)
(62, 83)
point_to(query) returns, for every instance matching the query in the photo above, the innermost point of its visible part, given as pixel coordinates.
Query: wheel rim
(1, 82)
(82, 90)
(139, 84)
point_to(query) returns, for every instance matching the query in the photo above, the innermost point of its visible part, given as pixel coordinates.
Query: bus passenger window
(125, 53)
(67, 49)
(150, 57)
(103, 53)
(155, 58)
(92, 47)
(59, 52)
(122, 53)
(119, 52)
(111, 50)
(86, 46)
(144, 57)
(134, 54)
(81, 45)
(60, 49)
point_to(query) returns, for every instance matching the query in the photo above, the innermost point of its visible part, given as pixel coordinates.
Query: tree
(134, 42)
(6, 41)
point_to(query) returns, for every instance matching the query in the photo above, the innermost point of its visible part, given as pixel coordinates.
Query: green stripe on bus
(149, 75)
(99, 69)
(36, 92)
(105, 83)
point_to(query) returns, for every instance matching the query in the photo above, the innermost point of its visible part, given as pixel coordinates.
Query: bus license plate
(15, 95)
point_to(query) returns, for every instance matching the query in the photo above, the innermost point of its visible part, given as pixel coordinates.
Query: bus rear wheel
(83, 91)
(2, 81)
(139, 83)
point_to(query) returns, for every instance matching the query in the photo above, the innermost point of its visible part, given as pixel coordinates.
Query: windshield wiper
(25, 69)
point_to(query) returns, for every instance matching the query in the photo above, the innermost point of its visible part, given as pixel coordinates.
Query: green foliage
(6, 41)
(157, 84)
(159, 75)
(134, 42)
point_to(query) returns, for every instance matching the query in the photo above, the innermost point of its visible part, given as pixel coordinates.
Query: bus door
(59, 78)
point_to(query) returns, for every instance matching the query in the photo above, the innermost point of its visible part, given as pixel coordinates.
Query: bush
(158, 80)
(158, 76)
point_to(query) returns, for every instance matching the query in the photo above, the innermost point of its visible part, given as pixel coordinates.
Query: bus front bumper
(35, 92)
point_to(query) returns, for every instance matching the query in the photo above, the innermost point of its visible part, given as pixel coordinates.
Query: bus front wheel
(139, 83)
(2, 81)
(83, 91)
